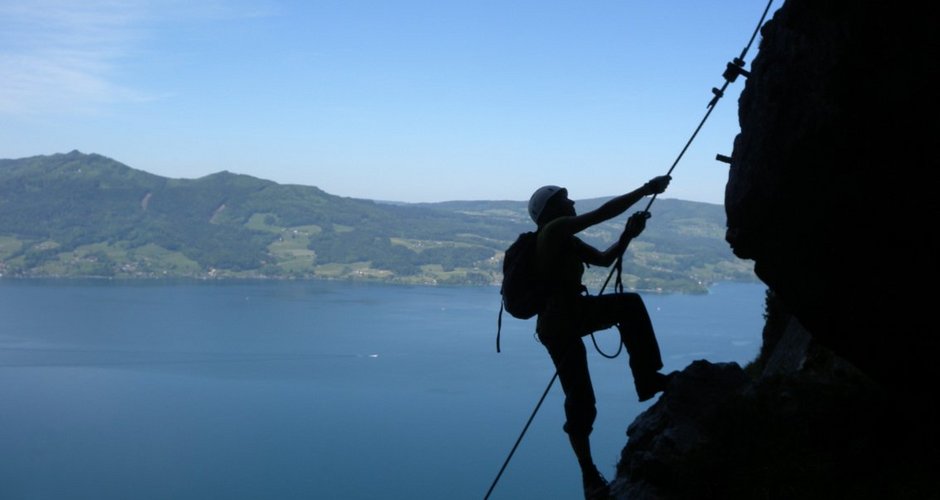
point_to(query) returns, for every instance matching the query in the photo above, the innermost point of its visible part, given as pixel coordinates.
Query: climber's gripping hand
(636, 224)
(657, 185)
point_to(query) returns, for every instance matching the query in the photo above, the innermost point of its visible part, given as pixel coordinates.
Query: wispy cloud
(65, 56)
(62, 56)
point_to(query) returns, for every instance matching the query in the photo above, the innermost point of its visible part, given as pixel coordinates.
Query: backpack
(523, 295)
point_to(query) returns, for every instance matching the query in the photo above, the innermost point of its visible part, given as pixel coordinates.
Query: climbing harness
(733, 69)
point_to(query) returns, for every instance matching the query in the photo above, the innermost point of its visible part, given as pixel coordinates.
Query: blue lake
(309, 390)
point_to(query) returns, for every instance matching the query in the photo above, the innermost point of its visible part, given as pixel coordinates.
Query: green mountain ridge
(86, 215)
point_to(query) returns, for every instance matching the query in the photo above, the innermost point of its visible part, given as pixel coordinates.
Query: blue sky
(391, 100)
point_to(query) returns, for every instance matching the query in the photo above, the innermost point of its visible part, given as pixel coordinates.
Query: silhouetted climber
(570, 314)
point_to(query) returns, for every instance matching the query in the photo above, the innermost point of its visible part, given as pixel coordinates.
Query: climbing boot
(649, 385)
(595, 486)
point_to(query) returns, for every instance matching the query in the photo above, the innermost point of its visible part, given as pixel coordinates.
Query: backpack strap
(499, 324)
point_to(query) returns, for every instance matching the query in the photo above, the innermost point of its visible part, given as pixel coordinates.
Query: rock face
(808, 426)
(679, 425)
(827, 194)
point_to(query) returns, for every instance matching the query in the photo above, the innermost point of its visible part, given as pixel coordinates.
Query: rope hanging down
(732, 71)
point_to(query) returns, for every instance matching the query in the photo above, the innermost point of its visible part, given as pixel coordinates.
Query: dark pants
(561, 328)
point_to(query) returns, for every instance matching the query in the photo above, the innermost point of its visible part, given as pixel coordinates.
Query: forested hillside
(80, 215)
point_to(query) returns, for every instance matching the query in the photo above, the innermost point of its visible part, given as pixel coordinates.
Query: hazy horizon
(343, 194)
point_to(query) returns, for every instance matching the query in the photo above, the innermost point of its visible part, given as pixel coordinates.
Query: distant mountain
(83, 215)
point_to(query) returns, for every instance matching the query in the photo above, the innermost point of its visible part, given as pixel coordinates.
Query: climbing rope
(521, 435)
(733, 69)
(618, 288)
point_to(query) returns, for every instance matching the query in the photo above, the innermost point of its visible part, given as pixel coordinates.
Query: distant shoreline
(175, 280)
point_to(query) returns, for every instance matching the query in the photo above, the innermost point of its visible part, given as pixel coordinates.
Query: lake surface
(309, 390)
